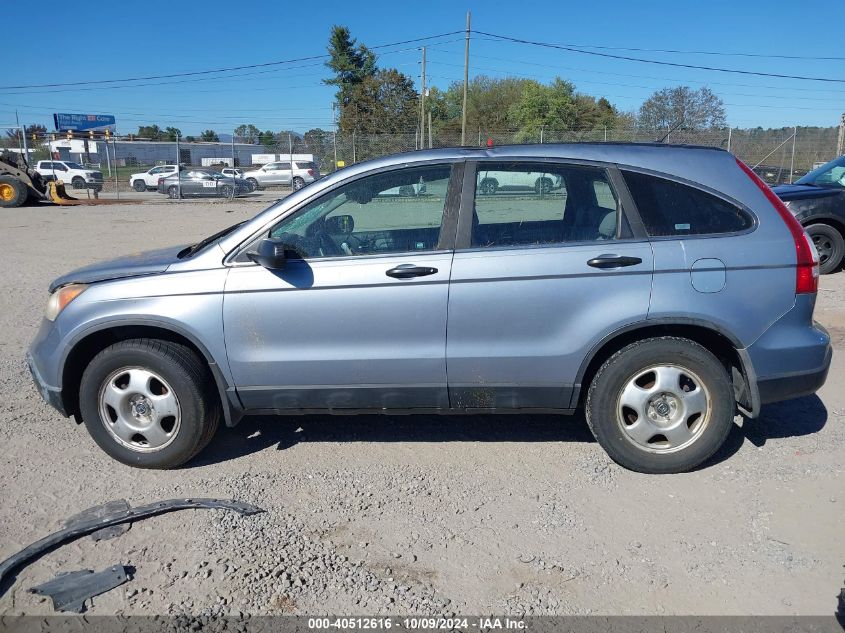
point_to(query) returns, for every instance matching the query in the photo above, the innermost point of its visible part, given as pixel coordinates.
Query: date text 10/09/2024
(417, 623)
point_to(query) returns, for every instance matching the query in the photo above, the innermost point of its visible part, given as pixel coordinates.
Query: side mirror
(270, 253)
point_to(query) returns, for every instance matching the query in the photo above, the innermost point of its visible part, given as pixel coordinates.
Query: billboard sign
(83, 122)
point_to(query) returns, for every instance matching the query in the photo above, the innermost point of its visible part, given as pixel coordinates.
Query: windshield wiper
(208, 240)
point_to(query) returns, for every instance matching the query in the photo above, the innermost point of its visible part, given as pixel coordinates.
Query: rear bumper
(785, 387)
(791, 359)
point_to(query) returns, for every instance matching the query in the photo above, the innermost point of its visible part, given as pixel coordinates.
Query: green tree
(541, 107)
(268, 139)
(209, 136)
(247, 132)
(683, 108)
(151, 132)
(351, 63)
(383, 103)
(172, 133)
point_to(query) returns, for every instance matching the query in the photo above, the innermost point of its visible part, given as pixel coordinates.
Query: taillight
(310, 172)
(160, 180)
(807, 262)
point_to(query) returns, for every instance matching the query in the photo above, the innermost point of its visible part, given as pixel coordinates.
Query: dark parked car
(818, 201)
(200, 182)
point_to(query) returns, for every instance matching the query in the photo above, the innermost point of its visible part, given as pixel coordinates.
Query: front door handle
(613, 261)
(406, 271)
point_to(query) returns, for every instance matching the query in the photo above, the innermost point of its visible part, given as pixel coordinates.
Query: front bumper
(51, 395)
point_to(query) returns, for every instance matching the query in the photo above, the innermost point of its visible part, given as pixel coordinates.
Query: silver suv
(659, 289)
(297, 174)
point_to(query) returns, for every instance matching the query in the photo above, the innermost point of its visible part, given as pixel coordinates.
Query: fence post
(730, 130)
(792, 159)
(840, 143)
(353, 147)
(114, 153)
(178, 170)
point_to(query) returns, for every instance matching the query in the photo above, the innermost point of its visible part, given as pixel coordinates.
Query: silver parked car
(297, 174)
(660, 289)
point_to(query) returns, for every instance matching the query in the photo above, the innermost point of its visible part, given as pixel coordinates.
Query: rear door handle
(406, 271)
(613, 261)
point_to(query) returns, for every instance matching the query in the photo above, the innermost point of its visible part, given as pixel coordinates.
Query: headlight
(60, 298)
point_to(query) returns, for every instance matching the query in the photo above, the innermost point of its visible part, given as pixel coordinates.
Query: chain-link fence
(133, 164)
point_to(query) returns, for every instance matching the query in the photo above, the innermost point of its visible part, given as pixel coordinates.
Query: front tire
(149, 403)
(77, 182)
(140, 186)
(226, 191)
(173, 192)
(253, 183)
(830, 246)
(13, 193)
(661, 405)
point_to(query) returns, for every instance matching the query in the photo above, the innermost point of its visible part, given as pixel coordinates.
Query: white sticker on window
(682, 227)
(209, 185)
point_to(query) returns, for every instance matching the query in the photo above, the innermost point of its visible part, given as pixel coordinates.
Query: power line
(657, 62)
(221, 70)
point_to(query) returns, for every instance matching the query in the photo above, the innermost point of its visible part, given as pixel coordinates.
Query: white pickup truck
(149, 179)
(71, 173)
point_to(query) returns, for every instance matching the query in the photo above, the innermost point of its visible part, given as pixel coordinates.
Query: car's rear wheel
(830, 246)
(139, 186)
(149, 403)
(78, 182)
(298, 183)
(661, 405)
(173, 192)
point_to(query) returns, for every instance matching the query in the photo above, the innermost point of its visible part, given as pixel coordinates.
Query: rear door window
(670, 208)
(523, 204)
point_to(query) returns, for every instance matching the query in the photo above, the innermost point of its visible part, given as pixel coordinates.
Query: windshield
(831, 174)
(74, 165)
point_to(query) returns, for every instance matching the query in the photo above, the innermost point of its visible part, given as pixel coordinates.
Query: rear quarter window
(670, 208)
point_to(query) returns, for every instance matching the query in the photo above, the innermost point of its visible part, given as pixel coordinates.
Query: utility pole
(429, 130)
(422, 101)
(840, 144)
(466, 81)
(233, 150)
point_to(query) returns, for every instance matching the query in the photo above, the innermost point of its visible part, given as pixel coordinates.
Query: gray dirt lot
(423, 514)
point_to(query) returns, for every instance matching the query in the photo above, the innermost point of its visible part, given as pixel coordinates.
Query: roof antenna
(665, 136)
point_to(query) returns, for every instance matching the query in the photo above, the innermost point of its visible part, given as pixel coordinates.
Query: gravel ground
(423, 515)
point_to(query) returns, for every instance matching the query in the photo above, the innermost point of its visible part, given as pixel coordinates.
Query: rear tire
(173, 192)
(543, 186)
(298, 183)
(13, 193)
(139, 186)
(661, 405)
(830, 245)
(489, 186)
(176, 372)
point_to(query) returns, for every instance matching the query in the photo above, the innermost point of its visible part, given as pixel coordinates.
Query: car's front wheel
(139, 186)
(661, 405)
(78, 182)
(173, 192)
(253, 183)
(149, 403)
(830, 246)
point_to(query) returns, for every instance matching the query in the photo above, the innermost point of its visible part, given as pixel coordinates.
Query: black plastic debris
(69, 591)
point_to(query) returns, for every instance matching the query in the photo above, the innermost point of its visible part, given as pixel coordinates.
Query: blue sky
(94, 40)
